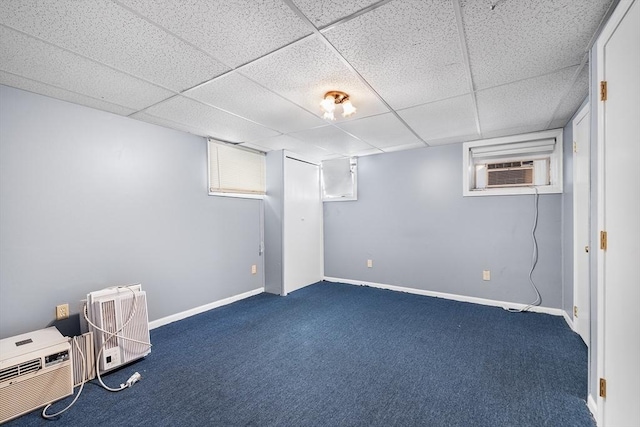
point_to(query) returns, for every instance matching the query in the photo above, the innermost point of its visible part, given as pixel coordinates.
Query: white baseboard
(197, 310)
(455, 297)
(593, 407)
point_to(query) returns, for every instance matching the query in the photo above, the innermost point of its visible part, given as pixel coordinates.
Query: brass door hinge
(575, 311)
(603, 387)
(603, 240)
(575, 147)
(603, 90)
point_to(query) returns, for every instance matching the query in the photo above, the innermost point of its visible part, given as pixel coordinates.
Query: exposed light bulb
(328, 104)
(347, 108)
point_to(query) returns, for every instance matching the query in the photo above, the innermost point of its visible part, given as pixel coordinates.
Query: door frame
(577, 246)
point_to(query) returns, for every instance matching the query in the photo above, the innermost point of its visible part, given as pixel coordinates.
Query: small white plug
(133, 379)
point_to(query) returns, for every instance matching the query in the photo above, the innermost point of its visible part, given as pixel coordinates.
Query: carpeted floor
(341, 355)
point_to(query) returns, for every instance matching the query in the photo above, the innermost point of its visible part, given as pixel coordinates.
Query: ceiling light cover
(331, 99)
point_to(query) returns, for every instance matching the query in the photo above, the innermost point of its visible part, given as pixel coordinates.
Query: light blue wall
(412, 221)
(89, 199)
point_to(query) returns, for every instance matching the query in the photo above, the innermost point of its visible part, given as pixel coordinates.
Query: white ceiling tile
(369, 152)
(454, 139)
(234, 32)
(332, 139)
(285, 142)
(382, 131)
(449, 119)
(403, 147)
(216, 123)
(557, 123)
(36, 60)
(409, 51)
(107, 33)
(63, 94)
(525, 102)
(325, 12)
(522, 39)
(518, 130)
(574, 98)
(239, 95)
(303, 72)
(142, 116)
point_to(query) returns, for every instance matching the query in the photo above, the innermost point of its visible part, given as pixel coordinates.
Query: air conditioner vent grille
(510, 177)
(20, 369)
(110, 324)
(507, 165)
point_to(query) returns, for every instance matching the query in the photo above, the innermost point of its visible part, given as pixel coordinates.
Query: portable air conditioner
(120, 313)
(35, 370)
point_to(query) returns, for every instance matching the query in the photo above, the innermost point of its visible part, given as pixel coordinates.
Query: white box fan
(120, 325)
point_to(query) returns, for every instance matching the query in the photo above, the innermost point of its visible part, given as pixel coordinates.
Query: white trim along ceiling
(420, 72)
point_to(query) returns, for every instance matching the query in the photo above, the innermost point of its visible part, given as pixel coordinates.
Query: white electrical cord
(135, 377)
(534, 258)
(84, 373)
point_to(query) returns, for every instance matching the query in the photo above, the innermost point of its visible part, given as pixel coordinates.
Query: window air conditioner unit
(35, 370)
(120, 325)
(515, 174)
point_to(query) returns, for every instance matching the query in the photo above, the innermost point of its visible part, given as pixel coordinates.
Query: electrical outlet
(254, 269)
(486, 275)
(62, 311)
(369, 263)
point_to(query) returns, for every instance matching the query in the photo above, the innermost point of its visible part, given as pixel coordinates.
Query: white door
(303, 241)
(581, 223)
(619, 216)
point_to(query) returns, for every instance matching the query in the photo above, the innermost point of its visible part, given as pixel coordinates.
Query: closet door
(619, 217)
(303, 241)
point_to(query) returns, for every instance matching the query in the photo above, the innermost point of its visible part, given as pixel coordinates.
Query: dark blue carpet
(341, 355)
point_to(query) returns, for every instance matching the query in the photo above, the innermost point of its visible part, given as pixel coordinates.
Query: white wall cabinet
(294, 249)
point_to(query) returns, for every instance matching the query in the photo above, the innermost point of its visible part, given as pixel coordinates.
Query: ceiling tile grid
(409, 51)
(233, 31)
(254, 72)
(304, 71)
(218, 124)
(239, 95)
(31, 58)
(109, 34)
(522, 39)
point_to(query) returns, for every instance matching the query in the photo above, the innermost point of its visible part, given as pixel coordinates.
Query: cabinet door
(303, 243)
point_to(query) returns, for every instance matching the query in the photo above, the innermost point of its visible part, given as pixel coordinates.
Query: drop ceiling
(249, 72)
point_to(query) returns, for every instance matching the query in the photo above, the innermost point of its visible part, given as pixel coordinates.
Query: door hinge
(603, 90)
(603, 240)
(575, 311)
(575, 147)
(603, 387)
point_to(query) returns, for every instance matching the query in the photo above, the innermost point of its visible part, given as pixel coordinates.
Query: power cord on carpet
(534, 258)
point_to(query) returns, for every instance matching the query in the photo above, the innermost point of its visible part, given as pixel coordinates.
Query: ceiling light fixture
(330, 100)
